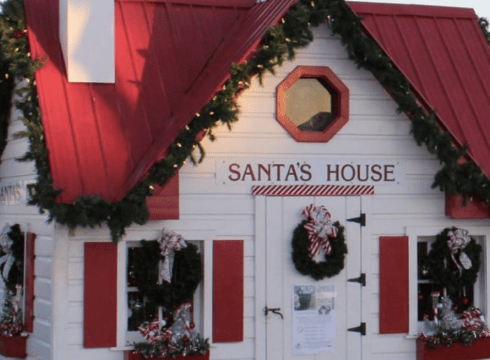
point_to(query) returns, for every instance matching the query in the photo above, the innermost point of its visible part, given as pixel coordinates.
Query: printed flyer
(314, 319)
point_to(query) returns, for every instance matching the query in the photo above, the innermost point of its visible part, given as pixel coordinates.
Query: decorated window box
(13, 346)
(131, 355)
(479, 349)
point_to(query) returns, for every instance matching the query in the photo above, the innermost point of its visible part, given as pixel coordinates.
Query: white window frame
(204, 236)
(414, 233)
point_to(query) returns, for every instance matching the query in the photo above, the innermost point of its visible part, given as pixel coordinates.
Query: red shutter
(29, 282)
(100, 295)
(393, 284)
(164, 203)
(228, 291)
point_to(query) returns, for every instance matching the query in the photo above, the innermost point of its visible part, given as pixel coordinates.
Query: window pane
(309, 105)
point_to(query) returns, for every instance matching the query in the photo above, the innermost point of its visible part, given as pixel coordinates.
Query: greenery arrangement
(444, 272)
(12, 272)
(11, 321)
(167, 272)
(278, 45)
(452, 328)
(186, 276)
(12, 256)
(306, 265)
(171, 338)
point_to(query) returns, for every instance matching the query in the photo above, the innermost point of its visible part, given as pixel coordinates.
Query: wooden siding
(211, 211)
(39, 343)
(374, 131)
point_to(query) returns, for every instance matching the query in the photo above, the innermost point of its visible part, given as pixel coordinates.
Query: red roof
(446, 58)
(171, 57)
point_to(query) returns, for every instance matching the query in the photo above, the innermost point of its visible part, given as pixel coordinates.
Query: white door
(292, 335)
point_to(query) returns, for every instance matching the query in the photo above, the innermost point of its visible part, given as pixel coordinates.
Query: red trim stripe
(312, 190)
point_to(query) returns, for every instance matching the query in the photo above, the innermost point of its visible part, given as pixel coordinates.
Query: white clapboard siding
(214, 211)
(39, 343)
(375, 131)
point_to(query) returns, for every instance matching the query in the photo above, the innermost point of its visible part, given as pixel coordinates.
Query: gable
(444, 55)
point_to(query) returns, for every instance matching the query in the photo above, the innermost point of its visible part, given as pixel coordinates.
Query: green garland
(279, 43)
(186, 276)
(440, 265)
(334, 262)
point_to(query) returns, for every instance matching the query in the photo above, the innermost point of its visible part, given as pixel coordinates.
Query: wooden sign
(310, 172)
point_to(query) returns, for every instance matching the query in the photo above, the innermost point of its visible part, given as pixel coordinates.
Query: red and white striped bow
(319, 228)
(472, 320)
(458, 239)
(151, 332)
(170, 242)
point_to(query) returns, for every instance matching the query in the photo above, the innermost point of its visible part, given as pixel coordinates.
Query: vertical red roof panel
(128, 63)
(58, 130)
(448, 65)
(87, 140)
(113, 140)
(164, 48)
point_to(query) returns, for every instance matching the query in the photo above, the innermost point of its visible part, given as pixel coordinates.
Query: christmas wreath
(12, 256)
(313, 235)
(167, 271)
(454, 260)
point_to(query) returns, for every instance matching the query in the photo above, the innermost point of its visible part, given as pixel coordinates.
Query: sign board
(314, 327)
(14, 192)
(310, 172)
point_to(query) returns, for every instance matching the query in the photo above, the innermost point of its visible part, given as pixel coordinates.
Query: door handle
(276, 311)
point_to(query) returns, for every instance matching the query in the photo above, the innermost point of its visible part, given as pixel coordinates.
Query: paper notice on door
(314, 319)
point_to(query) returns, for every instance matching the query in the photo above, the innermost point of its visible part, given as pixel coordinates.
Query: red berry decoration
(421, 297)
(465, 300)
(18, 34)
(185, 339)
(192, 325)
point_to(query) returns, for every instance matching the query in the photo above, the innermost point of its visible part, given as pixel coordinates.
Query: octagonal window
(312, 104)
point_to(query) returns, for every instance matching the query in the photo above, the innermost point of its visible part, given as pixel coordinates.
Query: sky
(481, 7)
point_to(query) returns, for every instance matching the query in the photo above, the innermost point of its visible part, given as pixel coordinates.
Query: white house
(130, 87)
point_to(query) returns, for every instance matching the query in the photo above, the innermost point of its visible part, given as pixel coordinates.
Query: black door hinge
(360, 329)
(361, 279)
(360, 220)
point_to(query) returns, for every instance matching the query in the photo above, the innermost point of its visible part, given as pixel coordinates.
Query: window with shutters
(140, 311)
(424, 293)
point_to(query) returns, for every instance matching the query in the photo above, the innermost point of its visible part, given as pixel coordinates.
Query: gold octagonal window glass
(312, 103)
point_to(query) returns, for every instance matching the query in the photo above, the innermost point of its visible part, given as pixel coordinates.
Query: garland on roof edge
(279, 44)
